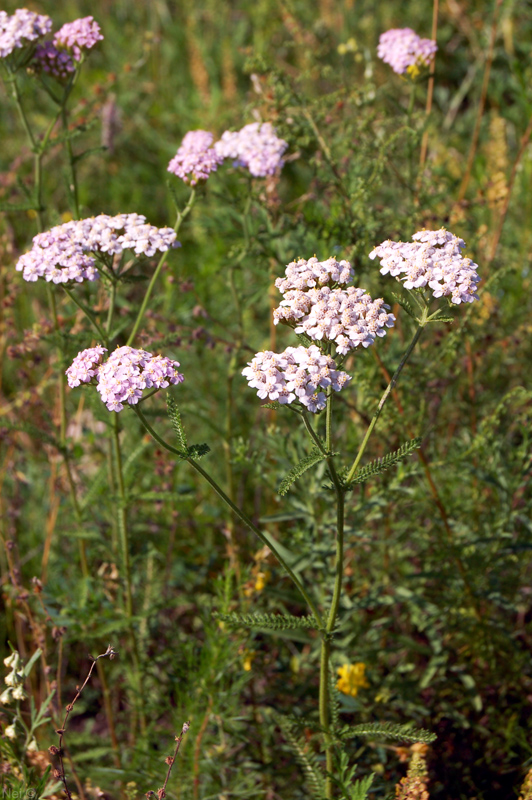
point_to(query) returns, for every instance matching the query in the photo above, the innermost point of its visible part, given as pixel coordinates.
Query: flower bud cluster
(434, 259)
(295, 374)
(53, 60)
(255, 146)
(195, 159)
(59, 255)
(20, 28)
(123, 377)
(303, 274)
(402, 49)
(14, 681)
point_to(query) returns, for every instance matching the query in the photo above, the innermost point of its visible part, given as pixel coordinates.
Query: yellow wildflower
(352, 678)
(249, 655)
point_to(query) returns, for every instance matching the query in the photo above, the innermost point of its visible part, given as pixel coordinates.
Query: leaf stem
(181, 215)
(242, 516)
(419, 330)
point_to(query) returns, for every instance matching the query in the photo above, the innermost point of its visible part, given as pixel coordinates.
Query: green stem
(73, 183)
(419, 330)
(180, 217)
(242, 516)
(62, 441)
(122, 517)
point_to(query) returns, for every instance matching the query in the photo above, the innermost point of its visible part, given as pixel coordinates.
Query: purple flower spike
(195, 159)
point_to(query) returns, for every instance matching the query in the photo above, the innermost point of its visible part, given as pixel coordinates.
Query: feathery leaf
(381, 464)
(276, 622)
(314, 457)
(389, 730)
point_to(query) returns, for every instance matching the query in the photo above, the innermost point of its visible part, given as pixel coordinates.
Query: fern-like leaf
(175, 419)
(389, 730)
(314, 457)
(403, 302)
(198, 450)
(384, 463)
(305, 758)
(360, 789)
(274, 622)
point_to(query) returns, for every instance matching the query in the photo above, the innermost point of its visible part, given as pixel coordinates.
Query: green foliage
(273, 622)
(304, 756)
(314, 457)
(388, 730)
(382, 464)
(192, 451)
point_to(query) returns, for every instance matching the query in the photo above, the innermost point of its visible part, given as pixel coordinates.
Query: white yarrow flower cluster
(303, 274)
(344, 315)
(433, 259)
(20, 28)
(124, 376)
(348, 317)
(60, 254)
(255, 146)
(297, 374)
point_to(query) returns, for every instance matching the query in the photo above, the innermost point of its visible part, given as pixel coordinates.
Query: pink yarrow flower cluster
(57, 57)
(256, 147)
(297, 374)
(79, 35)
(195, 159)
(331, 311)
(402, 49)
(61, 255)
(20, 28)
(433, 259)
(124, 376)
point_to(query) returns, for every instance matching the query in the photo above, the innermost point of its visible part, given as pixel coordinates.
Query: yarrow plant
(125, 374)
(404, 50)
(60, 254)
(195, 159)
(435, 260)
(256, 147)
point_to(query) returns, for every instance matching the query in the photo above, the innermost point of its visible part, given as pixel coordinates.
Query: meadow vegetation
(112, 536)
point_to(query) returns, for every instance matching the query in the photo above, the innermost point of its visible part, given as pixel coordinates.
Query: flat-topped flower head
(195, 159)
(78, 36)
(303, 274)
(404, 50)
(318, 302)
(255, 146)
(296, 374)
(433, 259)
(124, 376)
(68, 252)
(20, 28)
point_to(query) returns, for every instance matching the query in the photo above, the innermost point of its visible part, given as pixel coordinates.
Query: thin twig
(58, 751)
(161, 793)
